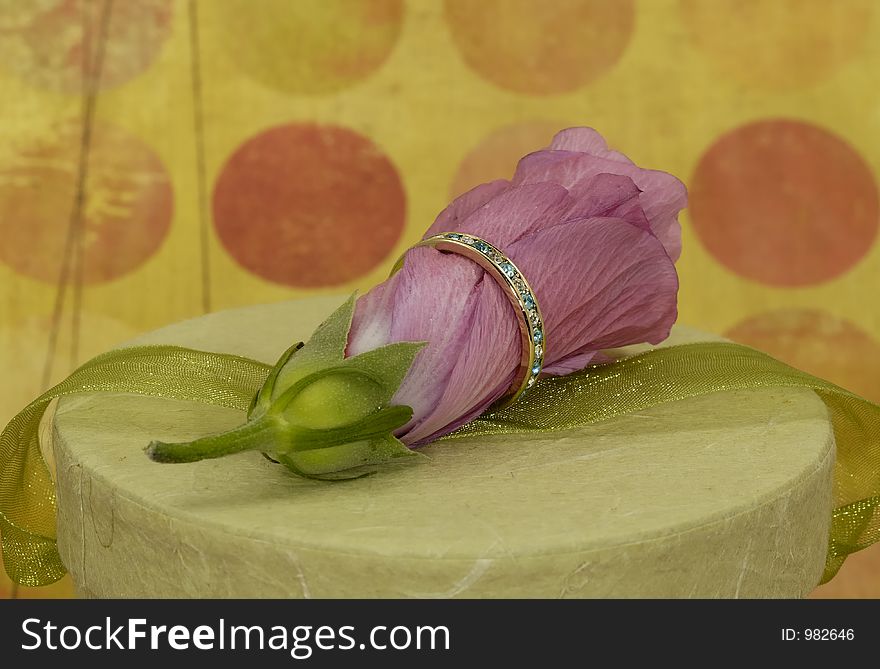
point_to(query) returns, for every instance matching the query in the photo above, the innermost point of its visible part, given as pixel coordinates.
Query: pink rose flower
(595, 235)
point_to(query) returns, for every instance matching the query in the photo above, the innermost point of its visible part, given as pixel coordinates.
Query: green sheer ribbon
(27, 499)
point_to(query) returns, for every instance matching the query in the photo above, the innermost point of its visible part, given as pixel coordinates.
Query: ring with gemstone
(519, 292)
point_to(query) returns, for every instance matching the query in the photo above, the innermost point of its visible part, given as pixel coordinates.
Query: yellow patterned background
(162, 158)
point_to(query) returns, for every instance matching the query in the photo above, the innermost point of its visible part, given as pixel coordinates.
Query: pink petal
(513, 213)
(662, 197)
(607, 196)
(600, 283)
(371, 324)
(573, 363)
(464, 205)
(431, 299)
(485, 368)
(586, 140)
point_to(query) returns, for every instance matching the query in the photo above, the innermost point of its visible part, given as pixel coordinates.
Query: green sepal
(376, 425)
(264, 395)
(349, 461)
(325, 348)
(387, 365)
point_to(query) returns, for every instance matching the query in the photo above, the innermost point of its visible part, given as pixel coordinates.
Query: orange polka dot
(779, 43)
(541, 48)
(309, 205)
(127, 209)
(310, 46)
(496, 156)
(819, 343)
(784, 202)
(52, 43)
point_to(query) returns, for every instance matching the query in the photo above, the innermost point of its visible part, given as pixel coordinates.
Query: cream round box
(726, 495)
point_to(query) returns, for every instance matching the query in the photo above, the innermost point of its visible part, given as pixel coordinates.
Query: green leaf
(263, 397)
(325, 348)
(351, 460)
(387, 366)
(377, 425)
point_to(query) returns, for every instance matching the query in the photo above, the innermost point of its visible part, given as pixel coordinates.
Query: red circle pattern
(126, 210)
(785, 203)
(309, 205)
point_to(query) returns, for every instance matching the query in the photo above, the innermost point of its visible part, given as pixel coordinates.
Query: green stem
(260, 434)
